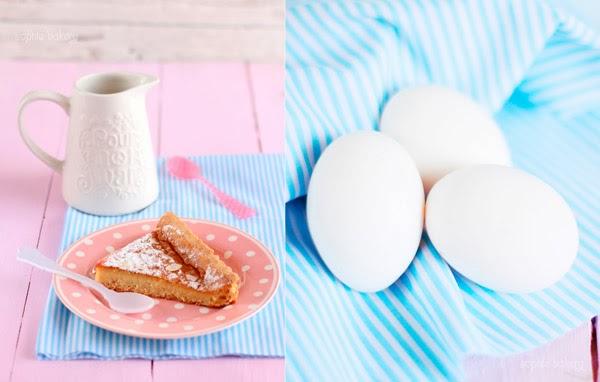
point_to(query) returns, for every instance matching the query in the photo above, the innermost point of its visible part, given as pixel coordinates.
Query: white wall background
(144, 30)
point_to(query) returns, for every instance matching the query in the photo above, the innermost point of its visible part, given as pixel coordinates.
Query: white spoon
(123, 302)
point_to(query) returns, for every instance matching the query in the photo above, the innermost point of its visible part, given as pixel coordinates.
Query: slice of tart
(152, 265)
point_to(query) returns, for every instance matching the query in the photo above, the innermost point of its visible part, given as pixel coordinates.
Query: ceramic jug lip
(113, 83)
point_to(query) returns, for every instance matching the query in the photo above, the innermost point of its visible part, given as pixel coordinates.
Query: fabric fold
(537, 70)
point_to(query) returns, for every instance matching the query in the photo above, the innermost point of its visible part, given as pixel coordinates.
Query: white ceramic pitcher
(109, 166)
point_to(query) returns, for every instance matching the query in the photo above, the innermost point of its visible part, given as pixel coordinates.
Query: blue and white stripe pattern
(538, 71)
(255, 179)
(346, 58)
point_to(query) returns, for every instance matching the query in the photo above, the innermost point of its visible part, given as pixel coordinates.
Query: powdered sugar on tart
(148, 257)
(171, 262)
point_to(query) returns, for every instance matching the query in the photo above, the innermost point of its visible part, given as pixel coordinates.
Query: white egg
(502, 228)
(443, 131)
(365, 210)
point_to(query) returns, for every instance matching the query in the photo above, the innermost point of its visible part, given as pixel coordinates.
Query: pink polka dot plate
(255, 264)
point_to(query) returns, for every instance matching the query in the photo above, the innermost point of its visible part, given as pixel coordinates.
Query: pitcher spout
(144, 82)
(116, 82)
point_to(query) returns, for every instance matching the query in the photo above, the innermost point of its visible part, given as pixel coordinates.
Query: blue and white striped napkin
(255, 179)
(538, 71)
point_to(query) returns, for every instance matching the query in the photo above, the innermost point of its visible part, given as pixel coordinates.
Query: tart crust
(171, 262)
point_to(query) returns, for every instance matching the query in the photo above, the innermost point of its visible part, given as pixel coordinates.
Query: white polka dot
(91, 311)
(109, 249)
(71, 266)
(156, 302)
(227, 254)
(252, 306)
(138, 321)
(163, 325)
(171, 319)
(203, 310)
(178, 306)
(146, 227)
(61, 278)
(245, 268)
(269, 267)
(76, 294)
(79, 253)
(146, 316)
(88, 242)
(220, 318)
(114, 316)
(97, 302)
(257, 294)
(117, 235)
(210, 237)
(263, 281)
(232, 238)
(250, 253)
(228, 307)
(188, 327)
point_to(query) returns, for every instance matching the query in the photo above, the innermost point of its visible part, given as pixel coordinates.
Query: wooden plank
(206, 109)
(224, 3)
(221, 370)
(565, 359)
(267, 86)
(25, 366)
(220, 3)
(24, 187)
(595, 349)
(266, 14)
(139, 43)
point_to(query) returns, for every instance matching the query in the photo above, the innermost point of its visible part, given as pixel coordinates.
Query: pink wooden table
(207, 108)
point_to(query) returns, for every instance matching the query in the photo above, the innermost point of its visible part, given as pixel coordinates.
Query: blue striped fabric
(538, 71)
(255, 179)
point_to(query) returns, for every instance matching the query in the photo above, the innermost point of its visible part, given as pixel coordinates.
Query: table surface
(198, 108)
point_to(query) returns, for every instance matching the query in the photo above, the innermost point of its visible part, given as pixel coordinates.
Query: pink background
(204, 108)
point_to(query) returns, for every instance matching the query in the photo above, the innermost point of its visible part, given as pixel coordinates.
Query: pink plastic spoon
(184, 168)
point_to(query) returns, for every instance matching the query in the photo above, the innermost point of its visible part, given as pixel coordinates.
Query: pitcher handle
(38, 95)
